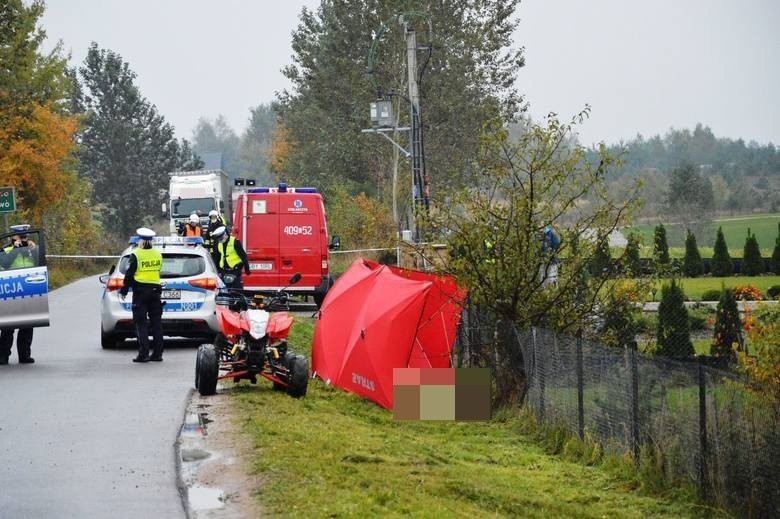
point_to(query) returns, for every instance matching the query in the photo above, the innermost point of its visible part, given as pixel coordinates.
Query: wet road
(84, 432)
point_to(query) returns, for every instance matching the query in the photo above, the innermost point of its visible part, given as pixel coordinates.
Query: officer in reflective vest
(232, 258)
(143, 276)
(21, 253)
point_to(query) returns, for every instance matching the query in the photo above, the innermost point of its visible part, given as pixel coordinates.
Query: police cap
(213, 212)
(219, 232)
(20, 229)
(145, 233)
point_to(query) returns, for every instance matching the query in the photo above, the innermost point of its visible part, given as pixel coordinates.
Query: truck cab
(284, 231)
(24, 279)
(196, 192)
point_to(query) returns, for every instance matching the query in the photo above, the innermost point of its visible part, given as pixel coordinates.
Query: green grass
(695, 287)
(333, 454)
(734, 230)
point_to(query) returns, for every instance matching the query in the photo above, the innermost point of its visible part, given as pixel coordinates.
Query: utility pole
(414, 133)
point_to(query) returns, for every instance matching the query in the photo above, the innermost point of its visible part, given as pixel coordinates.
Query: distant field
(734, 230)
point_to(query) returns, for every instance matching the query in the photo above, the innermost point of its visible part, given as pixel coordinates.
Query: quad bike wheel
(206, 370)
(299, 376)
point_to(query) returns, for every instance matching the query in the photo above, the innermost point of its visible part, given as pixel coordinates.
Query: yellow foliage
(763, 333)
(34, 149)
(279, 152)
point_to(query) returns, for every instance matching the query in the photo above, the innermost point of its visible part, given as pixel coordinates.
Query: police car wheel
(108, 340)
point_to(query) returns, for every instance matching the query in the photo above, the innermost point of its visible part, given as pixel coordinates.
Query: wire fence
(689, 421)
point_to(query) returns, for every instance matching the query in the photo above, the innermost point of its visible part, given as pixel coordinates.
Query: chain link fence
(694, 423)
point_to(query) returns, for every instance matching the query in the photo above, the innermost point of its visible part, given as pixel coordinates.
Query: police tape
(66, 256)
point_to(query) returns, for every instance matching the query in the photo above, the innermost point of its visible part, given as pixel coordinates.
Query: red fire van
(283, 231)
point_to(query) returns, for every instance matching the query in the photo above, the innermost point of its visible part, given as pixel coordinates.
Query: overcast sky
(642, 66)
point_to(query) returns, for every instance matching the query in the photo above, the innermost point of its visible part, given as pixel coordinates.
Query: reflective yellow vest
(21, 260)
(149, 265)
(230, 257)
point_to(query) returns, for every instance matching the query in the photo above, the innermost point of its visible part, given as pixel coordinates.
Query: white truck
(197, 192)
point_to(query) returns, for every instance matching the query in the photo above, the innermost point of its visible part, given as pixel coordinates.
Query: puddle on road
(195, 424)
(204, 498)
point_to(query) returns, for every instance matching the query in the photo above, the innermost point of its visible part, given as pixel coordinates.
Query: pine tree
(692, 264)
(775, 263)
(674, 338)
(631, 263)
(660, 246)
(601, 263)
(721, 260)
(728, 327)
(752, 264)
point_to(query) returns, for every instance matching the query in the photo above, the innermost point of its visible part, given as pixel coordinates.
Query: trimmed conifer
(775, 263)
(630, 260)
(721, 260)
(727, 334)
(660, 246)
(752, 264)
(692, 263)
(673, 332)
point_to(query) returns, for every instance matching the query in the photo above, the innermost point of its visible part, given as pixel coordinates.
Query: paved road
(84, 432)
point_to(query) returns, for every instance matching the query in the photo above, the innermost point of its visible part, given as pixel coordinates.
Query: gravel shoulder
(213, 454)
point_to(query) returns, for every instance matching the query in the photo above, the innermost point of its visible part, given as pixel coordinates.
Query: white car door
(24, 282)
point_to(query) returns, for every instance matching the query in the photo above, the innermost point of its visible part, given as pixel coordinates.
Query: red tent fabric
(376, 318)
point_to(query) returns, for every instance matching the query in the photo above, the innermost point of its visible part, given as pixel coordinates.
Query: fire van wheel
(299, 377)
(206, 370)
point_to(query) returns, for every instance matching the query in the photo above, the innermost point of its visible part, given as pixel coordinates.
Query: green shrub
(721, 260)
(673, 333)
(692, 264)
(697, 318)
(712, 294)
(775, 263)
(752, 264)
(773, 292)
(728, 328)
(660, 246)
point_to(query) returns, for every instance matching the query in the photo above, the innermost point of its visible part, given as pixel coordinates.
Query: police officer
(232, 257)
(143, 275)
(215, 222)
(19, 254)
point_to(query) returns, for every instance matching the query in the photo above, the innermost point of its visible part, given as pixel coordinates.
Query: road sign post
(7, 203)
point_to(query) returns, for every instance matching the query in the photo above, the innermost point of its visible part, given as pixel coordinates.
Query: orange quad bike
(252, 341)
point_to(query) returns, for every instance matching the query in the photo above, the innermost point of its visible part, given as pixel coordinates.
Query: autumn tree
(256, 144)
(127, 149)
(37, 129)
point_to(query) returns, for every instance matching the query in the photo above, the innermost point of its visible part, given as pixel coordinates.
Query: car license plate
(261, 266)
(171, 294)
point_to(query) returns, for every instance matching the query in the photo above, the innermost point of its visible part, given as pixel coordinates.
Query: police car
(189, 286)
(24, 278)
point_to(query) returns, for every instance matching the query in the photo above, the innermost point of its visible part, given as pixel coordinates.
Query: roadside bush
(746, 293)
(773, 292)
(712, 294)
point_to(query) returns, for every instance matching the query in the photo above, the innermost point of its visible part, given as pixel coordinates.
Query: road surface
(84, 432)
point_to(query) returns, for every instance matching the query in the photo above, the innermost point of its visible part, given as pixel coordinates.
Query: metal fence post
(703, 487)
(580, 390)
(538, 375)
(634, 404)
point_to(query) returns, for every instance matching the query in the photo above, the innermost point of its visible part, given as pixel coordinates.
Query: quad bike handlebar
(238, 299)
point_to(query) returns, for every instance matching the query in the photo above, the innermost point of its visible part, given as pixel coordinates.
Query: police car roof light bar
(170, 240)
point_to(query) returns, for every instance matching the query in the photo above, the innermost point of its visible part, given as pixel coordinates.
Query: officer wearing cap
(143, 275)
(215, 222)
(232, 257)
(20, 253)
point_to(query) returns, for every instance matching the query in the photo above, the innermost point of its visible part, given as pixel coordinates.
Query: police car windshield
(174, 265)
(186, 206)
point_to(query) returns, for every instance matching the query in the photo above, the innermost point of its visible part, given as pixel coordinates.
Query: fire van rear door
(262, 241)
(300, 248)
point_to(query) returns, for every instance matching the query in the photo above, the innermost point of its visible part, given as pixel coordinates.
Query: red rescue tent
(376, 318)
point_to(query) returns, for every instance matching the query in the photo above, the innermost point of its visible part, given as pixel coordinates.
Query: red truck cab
(283, 230)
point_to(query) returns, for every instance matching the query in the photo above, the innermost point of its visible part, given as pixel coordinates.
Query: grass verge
(332, 454)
